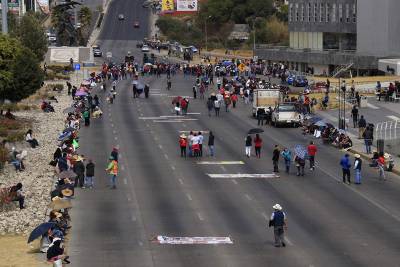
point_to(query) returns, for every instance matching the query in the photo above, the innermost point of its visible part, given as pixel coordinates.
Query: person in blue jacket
(346, 165)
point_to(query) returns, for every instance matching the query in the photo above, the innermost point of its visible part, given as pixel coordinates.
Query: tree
(85, 18)
(31, 35)
(20, 73)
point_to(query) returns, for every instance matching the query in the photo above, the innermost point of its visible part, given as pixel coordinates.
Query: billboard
(186, 5)
(44, 6)
(13, 6)
(167, 6)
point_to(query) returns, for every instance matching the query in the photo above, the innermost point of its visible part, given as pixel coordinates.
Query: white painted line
(140, 243)
(193, 113)
(109, 114)
(123, 167)
(114, 131)
(223, 169)
(112, 124)
(288, 241)
(158, 94)
(173, 167)
(148, 125)
(128, 198)
(180, 181)
(220, 162)
(265, 216)
(149, 118)
(141, 114)
(189, 196)
(156, 138)
(195, 131)
(171, 116)
(169, 121)
(394, 118)
(247, 196)
(133, 218)
(372, 106)
(160, 146)
(243, 175)
(203, 240)
(183, 96)
(166, 156)
(125, 181)
(235, 182)
(199, 216)
(184, 124)
(115, 138)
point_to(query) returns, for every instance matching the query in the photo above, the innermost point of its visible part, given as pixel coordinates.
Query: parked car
(290, 78)
(139, 44)
(286, 114)
(136, 24)
(121, 17)
(300, 81)
(318, 87)
(194, 49)
(96, 51)
(52, 37)
(145, 48)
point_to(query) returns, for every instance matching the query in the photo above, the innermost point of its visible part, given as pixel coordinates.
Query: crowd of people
(192, 145)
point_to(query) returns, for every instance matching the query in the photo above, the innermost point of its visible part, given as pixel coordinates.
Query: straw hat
(67, 192)
(357, 156)
(57, 198)
(183, 136)
(277, 207)
(58, 214)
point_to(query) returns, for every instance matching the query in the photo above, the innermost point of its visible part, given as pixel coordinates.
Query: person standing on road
(79, 169)
(345, 163)
(357, 169)
(210, 106)
(300, 164)
(275, 158)
(248, 144)
(260, 116)
(312, 151)
(258, 145)
(112, 170)
(211, 144)
(362, 124)
(201, 139)
(354, 115)
(114, 153)
(183, 144)
(217, 107)
(287, 156)
(368, 138)
(89, 174)
(381, 167)
(279, 222)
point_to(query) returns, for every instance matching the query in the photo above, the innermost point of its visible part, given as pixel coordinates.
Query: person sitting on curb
(29, 138)
(15, 194)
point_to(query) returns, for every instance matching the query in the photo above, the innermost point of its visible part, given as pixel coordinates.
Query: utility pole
(4, 22)
(254, 37)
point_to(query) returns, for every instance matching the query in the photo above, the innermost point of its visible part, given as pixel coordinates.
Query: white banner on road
(243, 175)
(186, 5)
(202, 240)
(220, 162)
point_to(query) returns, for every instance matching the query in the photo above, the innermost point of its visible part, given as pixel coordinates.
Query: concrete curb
(96, 31)
(368, 157)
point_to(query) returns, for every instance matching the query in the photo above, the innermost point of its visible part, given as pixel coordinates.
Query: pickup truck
(265, 98)
(286, 114)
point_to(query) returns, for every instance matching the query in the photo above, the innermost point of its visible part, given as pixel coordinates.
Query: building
(330, 36)
(240, 32)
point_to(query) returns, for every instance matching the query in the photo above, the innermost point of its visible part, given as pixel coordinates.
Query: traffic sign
(77, 66)
(109, 55)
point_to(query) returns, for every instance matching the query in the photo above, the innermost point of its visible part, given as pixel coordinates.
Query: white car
(121, 17)
(52, 38)
(145, 48)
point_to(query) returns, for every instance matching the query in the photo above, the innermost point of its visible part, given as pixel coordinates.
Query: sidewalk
(358, 144)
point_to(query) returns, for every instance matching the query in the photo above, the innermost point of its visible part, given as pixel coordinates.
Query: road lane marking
(123, 167)
(133, 218)
(288, 241)
(180, 181)
(223, 168)
(242, 175)
(265, 216)
(168, 121)
(200, 217)
(193, 113)
(116, 138)
(235, 182)
(112, 124)
(207, 240)
(189, 196)
(220, 162)
(173, 167)
(372, 106)
(125, 181)
(247, 196)
(148, 125)
(160, 146)
(195, 131)
(114, 131)
(166, 156)
(183, 96)
(184, 125)
(394, 118)
(140, 243)
(128, 197)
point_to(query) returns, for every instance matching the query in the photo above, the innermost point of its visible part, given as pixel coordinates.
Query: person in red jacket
(258, 145)
(183, 144)
(312, 150)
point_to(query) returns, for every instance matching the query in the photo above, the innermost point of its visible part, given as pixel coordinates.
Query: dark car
(136, 24)
(300, 81)
(96, 51)
(139, 44)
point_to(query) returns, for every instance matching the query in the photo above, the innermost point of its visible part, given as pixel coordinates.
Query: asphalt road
(160, 193)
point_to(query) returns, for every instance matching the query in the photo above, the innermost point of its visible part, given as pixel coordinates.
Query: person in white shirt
(29, 138)
(201, 138)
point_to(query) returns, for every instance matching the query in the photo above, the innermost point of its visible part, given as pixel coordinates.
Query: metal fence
(387, 130)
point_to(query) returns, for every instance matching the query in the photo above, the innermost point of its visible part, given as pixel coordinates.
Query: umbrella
(64, 136)
(176, 100)
(320, 124)
(81, 93)
(68, 110)
(255, 131)
(40, 230)
(300, 151)
(59, 204)
(313, 120)
(67, 174)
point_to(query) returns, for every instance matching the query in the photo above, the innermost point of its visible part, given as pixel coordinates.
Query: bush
(60, 68)
(61, 77)
(16, 137)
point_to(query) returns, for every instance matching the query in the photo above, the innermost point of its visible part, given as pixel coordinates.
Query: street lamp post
(205, 31)
(254, 37)
(342, 104)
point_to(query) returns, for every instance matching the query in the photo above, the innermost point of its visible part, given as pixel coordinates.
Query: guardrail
(387, 130)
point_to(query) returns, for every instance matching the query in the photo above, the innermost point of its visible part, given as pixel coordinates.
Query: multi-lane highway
(160, 193)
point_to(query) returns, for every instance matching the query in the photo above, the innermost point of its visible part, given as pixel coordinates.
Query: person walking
(86, 117)
(362, 124)
(79, 169)
(312, 151)
(211, 144)
(260, 116)
(89, 183)
(275, 158)
(357, 169)
(258, 145)
(217, 107)
(300, 164)
(287, 156)
(114, 153)
(112, 169)
(354, 115)
(201, 139)
(346, 165)
(248, 144)
(279, 222)
(368, 138)
(381, 167)
(183, 144)
(210, 106)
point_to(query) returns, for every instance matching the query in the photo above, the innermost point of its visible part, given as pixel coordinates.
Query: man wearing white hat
(278, 221)
(357, 169)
